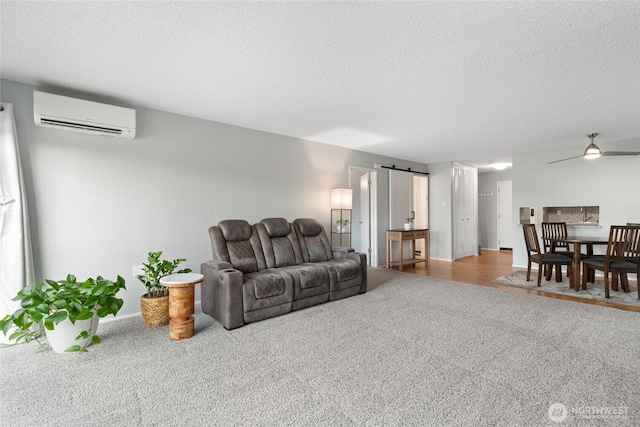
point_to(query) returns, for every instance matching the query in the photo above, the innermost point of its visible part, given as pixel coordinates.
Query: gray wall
(99, 204)
(488, 206)
(613, 183)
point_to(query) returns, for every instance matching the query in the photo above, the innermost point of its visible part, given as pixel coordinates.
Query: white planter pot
(64, 334)
(408, 226)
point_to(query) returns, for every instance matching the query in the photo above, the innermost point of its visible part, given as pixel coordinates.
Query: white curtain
(16, 260)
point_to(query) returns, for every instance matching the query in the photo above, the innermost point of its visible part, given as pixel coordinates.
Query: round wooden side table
(181, 303)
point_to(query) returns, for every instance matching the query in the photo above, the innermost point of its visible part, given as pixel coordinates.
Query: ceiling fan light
(592, 152)
(501, 166)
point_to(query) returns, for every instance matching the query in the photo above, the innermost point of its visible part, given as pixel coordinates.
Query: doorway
(505, 214)
(408, 197)
(364, 182)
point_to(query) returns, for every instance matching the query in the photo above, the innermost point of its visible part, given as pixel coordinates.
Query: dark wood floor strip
(482, 269)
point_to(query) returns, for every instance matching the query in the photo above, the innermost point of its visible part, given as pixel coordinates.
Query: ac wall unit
(79, 115)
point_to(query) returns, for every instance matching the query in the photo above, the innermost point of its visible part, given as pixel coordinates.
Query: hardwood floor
(482, 269)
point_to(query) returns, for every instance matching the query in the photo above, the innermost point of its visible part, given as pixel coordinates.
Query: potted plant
(67, 311)
(154, 305)
(408, 223)
(342, 225)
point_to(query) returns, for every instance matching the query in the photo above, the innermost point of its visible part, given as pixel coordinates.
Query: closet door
(400, 198)
(465, 208)
(400, 206)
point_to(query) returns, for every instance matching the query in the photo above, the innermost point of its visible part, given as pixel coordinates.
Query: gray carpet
(412, 351)
(594, 291)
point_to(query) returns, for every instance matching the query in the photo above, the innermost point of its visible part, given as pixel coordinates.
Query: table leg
(401, 254)
(575, 274)
(426, 249)
(388, 253)
(592, 272)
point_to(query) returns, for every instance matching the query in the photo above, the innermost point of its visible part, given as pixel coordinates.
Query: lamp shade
(592, 152)
(341, 198)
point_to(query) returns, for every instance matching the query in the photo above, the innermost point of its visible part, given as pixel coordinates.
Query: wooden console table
(401, 236)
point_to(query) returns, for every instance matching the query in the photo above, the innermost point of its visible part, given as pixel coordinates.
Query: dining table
(576, 242)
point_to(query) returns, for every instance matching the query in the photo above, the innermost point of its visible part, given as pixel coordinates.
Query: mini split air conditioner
(79, 115)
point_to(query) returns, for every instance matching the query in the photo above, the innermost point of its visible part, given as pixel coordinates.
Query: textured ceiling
(425, 81)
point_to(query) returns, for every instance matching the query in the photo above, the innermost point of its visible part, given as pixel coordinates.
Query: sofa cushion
(268, 285)
(265, 289)
(310, 282)
(234, 230)
(344, 273)
(314, 244)
(276, 227)
(236, 242)
(311, 276)
(346, 269)
(309, 226)
(279, 243)
(242, 256)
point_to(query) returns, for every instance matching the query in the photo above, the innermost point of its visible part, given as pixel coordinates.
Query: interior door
(421, 207)
(365, 215)
(505, 214)
(364, 212)
(400, 206)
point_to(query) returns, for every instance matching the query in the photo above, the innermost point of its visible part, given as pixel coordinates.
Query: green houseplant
(342, 224)
(154, 305)
(53, 305)
(408, 223)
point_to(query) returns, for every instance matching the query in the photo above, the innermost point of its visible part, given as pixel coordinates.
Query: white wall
(613, 183)
(98, 205)
(440, 213)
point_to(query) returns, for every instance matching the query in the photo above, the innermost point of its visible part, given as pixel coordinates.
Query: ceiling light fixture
(501, 166)
(592, 151)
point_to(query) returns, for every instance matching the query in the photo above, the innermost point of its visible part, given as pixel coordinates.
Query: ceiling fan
(593, 152)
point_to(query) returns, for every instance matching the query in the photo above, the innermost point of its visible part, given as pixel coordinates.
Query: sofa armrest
(348, 253)
(341, 249)
(221, 293)
(219, 264)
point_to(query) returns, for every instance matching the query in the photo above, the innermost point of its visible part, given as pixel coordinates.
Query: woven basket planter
(155, 311)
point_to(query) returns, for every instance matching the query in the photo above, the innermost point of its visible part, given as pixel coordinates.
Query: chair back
(531, 239)
(617, 246)
(551, 230)
(632, 251)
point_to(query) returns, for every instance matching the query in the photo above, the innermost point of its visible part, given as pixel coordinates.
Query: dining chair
(555, 230)
(633, 252)
(630, 251)
(539, 255)
(618, 259)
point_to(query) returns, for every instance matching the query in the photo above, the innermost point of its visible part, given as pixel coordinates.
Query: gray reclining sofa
(274, 267)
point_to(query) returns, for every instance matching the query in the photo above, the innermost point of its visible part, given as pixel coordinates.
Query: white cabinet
(465, 211)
